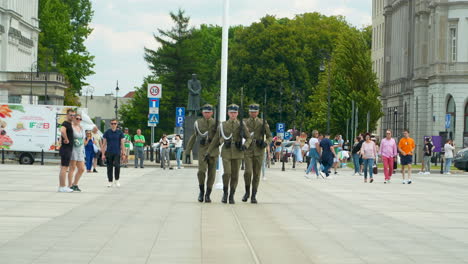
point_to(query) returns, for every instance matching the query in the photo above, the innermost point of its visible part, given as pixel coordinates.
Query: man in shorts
(66, 148)
(406, 148)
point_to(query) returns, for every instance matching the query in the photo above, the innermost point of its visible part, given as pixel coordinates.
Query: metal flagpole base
(219, 175)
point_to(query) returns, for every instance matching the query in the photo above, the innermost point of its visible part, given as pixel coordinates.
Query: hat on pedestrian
(233, 108)
(254, 108)
(207, 108)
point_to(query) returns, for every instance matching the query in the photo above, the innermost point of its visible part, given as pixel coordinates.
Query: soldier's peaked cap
(207, 108)
(254, 108)
(233, 108)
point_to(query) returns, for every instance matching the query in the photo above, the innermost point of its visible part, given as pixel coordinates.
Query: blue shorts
(405, 160)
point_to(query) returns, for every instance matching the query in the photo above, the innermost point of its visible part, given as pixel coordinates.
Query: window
(451, 111)
(453, 44)
(14, 99)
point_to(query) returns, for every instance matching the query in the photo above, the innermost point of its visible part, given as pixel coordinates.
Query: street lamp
(34, 64)
(88, 90)
(326, 56)
(116, 97)
(395, 119)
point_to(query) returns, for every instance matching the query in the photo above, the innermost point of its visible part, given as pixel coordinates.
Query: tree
(64, 27)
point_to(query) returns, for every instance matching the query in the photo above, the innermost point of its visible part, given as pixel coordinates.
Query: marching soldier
(255, 153)
(205, 130)
(231, 133)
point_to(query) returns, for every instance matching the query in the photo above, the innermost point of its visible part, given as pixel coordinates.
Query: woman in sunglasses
(78, 154)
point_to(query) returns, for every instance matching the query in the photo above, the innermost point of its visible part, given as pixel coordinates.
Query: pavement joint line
(246, 238)
(377, 213)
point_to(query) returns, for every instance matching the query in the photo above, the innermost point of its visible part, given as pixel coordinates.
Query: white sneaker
(307, 176)
(117, 183)
(420, 172)
(109, 184)
(404, 182)
(427, 173)
(448, 173)
(65, 189)
(322, 174)
(356, 174)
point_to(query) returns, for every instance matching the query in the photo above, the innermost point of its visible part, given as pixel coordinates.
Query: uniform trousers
(231, 173)
(253, 166)
(203, 167)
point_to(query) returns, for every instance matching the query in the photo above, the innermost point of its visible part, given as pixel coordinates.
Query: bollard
(441, 165)
(151, 154)
(283, 158)
(147, 153)
(3, 156)
(42, 157)
(294, 160)
(242, 165)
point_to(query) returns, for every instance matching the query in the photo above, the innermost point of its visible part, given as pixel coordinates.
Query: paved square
(155, 218)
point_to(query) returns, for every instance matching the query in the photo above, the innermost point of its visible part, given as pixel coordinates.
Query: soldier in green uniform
(205, 130)
(232, 153)
(261, 138)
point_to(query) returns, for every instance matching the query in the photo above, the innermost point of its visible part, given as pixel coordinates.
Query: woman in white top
(448, 148)
(178, 149)
(314, 150)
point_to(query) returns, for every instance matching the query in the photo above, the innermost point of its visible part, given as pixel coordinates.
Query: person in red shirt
(406, 148)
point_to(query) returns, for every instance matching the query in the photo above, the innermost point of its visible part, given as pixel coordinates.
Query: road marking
(252, 251)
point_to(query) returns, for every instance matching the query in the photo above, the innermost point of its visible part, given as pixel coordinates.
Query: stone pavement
(154, 218)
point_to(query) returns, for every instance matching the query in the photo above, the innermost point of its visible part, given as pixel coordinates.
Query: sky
(122, 28)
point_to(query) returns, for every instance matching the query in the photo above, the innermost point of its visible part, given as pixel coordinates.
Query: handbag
(434, 159)
(395, 163)
(374, 169)
(95, 148)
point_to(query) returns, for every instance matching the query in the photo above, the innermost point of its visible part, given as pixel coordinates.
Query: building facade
(426, 69)
(378, 43)
(20, 80)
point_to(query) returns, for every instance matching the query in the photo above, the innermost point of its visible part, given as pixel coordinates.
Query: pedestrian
(337, 145)
(449, 149)
(128, 142)
(90, 147)
(97, 139)
(328, 155)
(406, 148)
(314, 150)
(278, 148)
(139, 151)
(78, 154)
(178, 150)
(297, 152)
(232, 151)
(356, 154)
(165, 151)
(65, 151)
(388, 152)
(205, 130)
(254, 155)
(369, 154)
(305, 151)
(113, 149)
(428, 149)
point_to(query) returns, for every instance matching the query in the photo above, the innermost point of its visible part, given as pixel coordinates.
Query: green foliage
(351, 78)
(64, 27)
(279, 55)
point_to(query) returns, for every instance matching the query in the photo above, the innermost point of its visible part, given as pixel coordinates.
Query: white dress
(78, 152)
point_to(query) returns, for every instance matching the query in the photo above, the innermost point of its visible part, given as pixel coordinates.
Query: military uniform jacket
(229, 133)
(255, 126)
(205, 130)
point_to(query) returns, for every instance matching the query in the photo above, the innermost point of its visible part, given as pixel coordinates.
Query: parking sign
(280, 127)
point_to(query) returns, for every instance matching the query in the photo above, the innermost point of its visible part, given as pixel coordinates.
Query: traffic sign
(154, 110)
(448, 118)
(280, 127)
(154, 102)
(180, 121)
(152, 124)
(154, 90)
(180, 111)
(287, 136)
(153, 118)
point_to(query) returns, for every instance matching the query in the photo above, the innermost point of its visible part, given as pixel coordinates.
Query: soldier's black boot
(225, 195)
(202, 193)
(231, 197)
(247, 193)
(207, 195)
(254, 196)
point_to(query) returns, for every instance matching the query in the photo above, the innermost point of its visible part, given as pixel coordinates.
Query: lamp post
(326, 56)
(395, 119)
(88, 90)
(116, 97)
(34, 64)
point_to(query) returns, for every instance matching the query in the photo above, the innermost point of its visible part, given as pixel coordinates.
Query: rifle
(217, 110)
(263, 143)
(241, 113)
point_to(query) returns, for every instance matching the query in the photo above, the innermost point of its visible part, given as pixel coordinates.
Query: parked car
(461, 160)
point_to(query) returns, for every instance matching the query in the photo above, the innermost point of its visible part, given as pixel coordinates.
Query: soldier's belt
(227, 143)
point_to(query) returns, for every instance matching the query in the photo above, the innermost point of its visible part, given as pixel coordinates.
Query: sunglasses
(113, 123)
(71, 115)
(78, 118)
